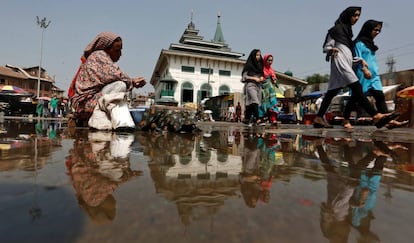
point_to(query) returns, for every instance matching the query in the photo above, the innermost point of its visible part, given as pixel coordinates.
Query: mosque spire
(218, 36)
(191, 25)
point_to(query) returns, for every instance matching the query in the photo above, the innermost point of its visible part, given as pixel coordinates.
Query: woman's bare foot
(318, 122)
(378, 117)
(395, 124)
(347, 124)
(380, 120)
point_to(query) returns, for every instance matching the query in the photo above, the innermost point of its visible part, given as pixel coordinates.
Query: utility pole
(43, 23)
(208, 79)
(390, 62)
(391, 68)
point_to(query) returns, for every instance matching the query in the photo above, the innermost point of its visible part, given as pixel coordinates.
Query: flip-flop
(393, 125)
(385, 119)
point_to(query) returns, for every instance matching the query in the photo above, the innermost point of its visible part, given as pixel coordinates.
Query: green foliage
(298, 90)
(317, 79)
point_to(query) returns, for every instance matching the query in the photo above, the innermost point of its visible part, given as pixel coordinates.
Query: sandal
(385, 119)
(396, 124)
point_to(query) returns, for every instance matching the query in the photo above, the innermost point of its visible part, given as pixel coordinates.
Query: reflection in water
(97, 164)
(198, 184)
(261, 157)
(21, 139)
(28, 147)
(249, 176)
(365, 195)
(352, 195)
(335, 210)
(199, 173)
(228, 177)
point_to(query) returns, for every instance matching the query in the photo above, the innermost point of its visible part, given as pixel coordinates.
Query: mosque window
(206, 70)
(187, 69)
(224, 72)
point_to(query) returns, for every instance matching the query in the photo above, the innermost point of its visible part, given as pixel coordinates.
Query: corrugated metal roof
(290, 80)
(12, 73)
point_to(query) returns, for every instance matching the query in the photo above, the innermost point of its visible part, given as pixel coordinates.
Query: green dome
(289, 73)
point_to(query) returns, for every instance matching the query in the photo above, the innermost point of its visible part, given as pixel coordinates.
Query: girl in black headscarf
(252, 76)
(340, 51)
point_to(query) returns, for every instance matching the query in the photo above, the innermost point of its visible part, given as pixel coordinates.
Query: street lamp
(43, 24)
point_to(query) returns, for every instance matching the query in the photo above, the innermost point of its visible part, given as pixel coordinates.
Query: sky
(293, 31)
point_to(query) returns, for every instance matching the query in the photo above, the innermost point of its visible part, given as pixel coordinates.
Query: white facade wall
(197, 79)
(232, 167)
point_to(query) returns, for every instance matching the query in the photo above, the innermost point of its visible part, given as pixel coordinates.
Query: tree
(298, 90)
(317, 78)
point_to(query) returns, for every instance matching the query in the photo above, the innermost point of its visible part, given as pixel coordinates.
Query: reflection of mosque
(206, 162)
(198, 178)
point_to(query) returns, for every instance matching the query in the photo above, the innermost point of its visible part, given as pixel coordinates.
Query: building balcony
(167, 92)
(167, 98)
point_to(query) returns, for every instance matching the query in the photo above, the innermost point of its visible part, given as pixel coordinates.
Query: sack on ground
(121, 117)
(99, 120)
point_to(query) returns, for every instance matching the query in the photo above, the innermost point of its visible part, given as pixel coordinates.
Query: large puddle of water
(61, 185)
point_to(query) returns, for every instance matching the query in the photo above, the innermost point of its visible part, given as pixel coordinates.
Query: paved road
(368, 132)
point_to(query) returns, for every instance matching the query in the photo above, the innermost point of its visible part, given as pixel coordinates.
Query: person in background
(369, 77)
(230, 113)
(46, 110)
(252, 76)
(268, 109)
(39, 107)
(301, 110)
(61, 108)
(98, 76)
(318, 102)
(312, 107)
(340, 52)
(54, 102)
(238, 112)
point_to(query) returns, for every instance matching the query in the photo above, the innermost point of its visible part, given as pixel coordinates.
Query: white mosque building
(194, 69)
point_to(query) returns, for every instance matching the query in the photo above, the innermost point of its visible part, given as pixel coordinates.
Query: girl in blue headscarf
(369, 77)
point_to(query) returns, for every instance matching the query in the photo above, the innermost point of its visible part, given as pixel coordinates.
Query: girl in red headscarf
(268, 109)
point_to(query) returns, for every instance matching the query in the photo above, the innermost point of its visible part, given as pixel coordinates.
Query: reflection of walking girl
(369, 77)
(335, 211)
(252, 76)
(365, 196)
(340, 50)
(249, 176)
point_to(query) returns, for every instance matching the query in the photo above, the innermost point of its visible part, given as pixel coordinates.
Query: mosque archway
(224, 89)
(187, 93)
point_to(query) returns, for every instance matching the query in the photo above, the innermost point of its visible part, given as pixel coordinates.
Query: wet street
(228, 183)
